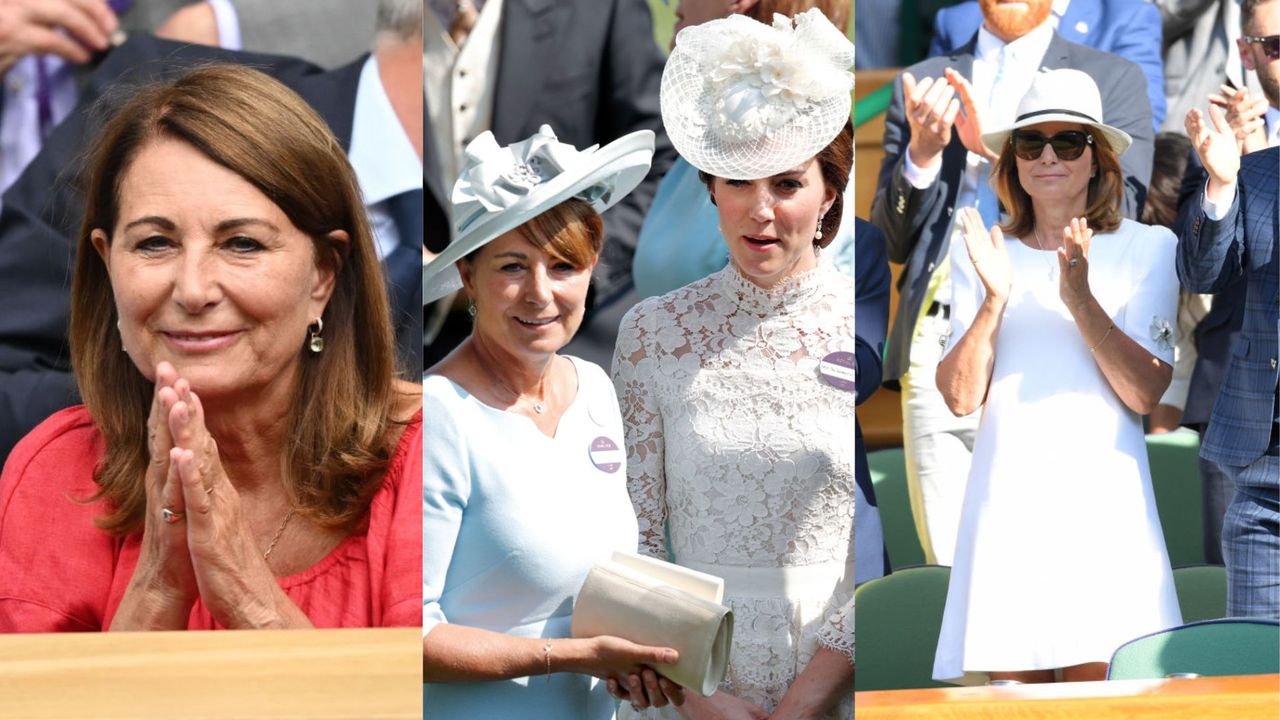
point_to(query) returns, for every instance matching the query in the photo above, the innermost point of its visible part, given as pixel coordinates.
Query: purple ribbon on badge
(606, 455)
(840, 370)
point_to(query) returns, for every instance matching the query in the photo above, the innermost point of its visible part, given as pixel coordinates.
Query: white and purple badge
(606, 455)
(840, 370)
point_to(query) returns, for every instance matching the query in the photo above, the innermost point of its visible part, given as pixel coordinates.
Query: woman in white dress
(524, 479)
(1062, 337)
(737, 390)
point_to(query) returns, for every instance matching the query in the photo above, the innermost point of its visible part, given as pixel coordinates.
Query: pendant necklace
(539, 406)
(1053, 266)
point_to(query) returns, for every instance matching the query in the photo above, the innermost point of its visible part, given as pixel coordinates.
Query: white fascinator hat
(743, 100)
(501, 188)
(1062, 95)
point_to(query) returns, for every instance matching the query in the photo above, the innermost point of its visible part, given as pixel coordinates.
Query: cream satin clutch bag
(656, 603)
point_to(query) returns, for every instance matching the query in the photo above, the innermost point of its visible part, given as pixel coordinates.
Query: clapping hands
(933, 107)
(989, 256)
(195, 542)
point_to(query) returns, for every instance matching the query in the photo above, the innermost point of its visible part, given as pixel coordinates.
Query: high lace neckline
(790, 293)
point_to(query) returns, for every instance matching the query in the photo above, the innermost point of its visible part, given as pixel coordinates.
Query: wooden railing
(226, 674)
(1243, 697)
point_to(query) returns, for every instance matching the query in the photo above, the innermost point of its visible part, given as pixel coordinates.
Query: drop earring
(317, 342)
(471, 308)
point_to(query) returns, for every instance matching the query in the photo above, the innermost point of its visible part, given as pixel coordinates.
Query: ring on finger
(170, 517)
(1075, 261)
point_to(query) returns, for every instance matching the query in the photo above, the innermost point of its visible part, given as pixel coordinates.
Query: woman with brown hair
(524, 487)
(1062, 334)
(245, 456)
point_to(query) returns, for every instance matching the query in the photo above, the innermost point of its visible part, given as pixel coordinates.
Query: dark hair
(340, 428)
(1248, 8)
(837, 11)
(1172, 151)
(836, 162)
(1102, 207)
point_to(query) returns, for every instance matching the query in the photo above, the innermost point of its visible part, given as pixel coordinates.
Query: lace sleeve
(837, 631)
(633, 370)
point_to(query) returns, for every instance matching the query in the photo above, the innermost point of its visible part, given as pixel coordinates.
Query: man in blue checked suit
(1233, 235)
(1128, 28)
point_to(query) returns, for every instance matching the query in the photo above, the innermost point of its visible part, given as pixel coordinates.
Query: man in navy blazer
(1235, 234)
(1128, 28)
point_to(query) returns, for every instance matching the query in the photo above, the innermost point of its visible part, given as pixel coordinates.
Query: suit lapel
(1079, 11)
(333, 95)
(1058, 55)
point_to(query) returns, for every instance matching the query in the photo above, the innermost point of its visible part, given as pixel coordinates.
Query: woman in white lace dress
(737, 390)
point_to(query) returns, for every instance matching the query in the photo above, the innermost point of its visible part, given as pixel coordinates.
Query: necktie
(988, 204)
(47, 77)
(404, 275)
(464, 18)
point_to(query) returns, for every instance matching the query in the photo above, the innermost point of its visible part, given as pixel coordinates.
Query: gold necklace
(1035, 233)
(279, 532)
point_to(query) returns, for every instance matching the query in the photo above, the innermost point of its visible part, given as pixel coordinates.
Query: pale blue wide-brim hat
(501, 188)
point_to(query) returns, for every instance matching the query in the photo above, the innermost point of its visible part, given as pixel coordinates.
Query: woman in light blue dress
(524, 485)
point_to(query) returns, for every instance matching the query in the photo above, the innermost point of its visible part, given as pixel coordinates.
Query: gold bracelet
(546, 650)
(1104, 337)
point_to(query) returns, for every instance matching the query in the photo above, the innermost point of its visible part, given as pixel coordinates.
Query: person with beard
(1235, 234)
(934, 164)
(1128, 28)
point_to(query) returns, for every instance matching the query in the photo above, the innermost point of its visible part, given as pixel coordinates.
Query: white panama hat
(1062, 95)
(743, 100)
(501, 188)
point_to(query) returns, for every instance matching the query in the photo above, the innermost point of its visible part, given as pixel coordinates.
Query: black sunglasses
(1067, 145)
(1270, 44)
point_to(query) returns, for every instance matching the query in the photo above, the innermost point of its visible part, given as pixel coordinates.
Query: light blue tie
(987, 203)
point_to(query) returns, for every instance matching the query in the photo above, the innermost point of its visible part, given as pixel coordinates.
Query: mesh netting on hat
(744, 100)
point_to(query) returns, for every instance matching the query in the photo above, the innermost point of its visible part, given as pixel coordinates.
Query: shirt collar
(381, 153)
(1028, 48)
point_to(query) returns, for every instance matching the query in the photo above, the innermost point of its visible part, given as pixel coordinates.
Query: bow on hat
(494, 178)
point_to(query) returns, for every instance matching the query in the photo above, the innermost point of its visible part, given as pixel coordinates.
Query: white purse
(651, 602)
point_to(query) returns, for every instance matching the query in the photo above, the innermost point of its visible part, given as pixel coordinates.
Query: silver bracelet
(546, 649)
(1104, 337)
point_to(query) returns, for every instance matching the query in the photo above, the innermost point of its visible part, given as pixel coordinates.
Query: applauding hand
(1073, 263)
(988, 254)
(969, 121)
(1216, 145)
(931, 109)
(163, 587)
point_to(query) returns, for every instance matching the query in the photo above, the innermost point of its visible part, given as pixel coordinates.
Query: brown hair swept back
(571, 231)
(837, 11)
(339, 440)
(1102, 206)
(836, 162)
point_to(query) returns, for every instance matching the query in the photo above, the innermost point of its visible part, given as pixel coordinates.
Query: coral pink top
(58, 572)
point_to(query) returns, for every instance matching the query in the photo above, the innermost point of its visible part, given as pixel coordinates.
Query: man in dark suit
(1235, 233)
(1128, 28)
(40, 219)
(934, 164)
(871, 310)
(591, 70)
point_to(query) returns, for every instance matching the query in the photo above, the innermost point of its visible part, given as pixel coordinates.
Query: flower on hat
(764, 77)
(494, 178)
(745, 100)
